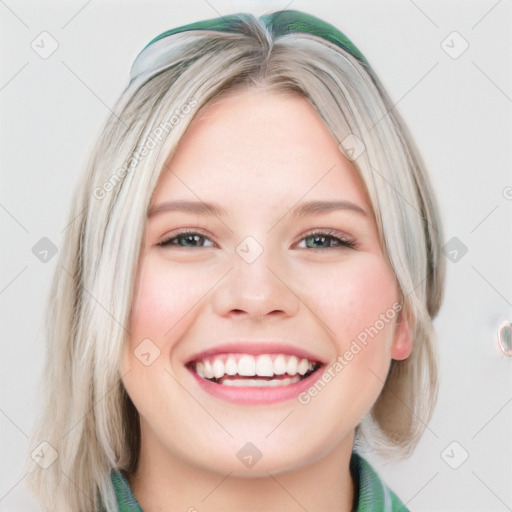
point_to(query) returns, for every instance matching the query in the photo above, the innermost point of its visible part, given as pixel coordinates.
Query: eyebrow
(301, 210)
(315, 207)
(199, 207)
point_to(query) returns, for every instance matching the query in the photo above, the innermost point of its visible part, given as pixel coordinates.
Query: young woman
(248, 283)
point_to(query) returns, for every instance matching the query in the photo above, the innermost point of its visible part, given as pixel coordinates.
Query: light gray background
(459, 111)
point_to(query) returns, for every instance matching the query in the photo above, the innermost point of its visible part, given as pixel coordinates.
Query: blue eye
(327, 240)
(186, 239)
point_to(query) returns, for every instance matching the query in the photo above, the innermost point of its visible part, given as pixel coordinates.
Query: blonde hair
(88, 417)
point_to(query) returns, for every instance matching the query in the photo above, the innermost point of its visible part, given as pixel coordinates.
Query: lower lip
(251, 395)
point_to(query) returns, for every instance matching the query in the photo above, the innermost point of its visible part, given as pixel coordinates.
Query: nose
(256, 289)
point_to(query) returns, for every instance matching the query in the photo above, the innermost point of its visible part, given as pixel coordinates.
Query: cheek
(161, 313)
(159, 317)
(359, 296)
(350, 297)
(163, 297)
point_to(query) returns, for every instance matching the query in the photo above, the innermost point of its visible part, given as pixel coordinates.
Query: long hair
(87, 418)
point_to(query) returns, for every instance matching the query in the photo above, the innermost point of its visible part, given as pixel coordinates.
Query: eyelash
(331, 235)
(328, 234)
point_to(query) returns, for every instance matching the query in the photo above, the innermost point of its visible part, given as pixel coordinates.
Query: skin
(258, 155)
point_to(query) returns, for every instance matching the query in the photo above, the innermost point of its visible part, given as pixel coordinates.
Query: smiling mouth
(246, 370)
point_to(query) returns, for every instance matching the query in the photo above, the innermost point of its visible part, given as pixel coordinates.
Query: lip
(251, 395)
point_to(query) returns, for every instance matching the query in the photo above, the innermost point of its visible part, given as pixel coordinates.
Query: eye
(326, 240)
(186, 239)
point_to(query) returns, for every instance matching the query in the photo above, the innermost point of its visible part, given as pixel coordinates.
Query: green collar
(373, 494)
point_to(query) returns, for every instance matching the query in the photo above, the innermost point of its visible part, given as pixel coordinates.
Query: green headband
(278, 23)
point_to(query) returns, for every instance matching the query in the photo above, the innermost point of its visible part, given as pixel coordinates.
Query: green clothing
(372, 494)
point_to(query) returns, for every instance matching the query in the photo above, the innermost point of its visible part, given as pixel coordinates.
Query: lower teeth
(260, 382)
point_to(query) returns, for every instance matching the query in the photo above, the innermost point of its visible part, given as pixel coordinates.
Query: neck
(324, 484)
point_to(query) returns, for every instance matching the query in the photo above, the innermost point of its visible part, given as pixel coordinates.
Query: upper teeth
(247, 365)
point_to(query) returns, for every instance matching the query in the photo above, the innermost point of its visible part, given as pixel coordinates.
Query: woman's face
(265, 314)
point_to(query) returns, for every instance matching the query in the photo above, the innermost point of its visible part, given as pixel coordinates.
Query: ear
(403, 343)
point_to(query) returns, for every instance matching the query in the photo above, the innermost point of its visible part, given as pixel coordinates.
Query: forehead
(262, 147)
